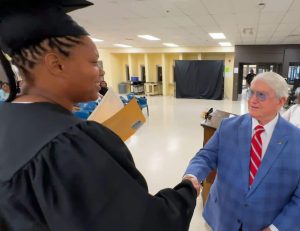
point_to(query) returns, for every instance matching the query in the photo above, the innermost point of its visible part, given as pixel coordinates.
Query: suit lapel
(277, 142)
(244, 135)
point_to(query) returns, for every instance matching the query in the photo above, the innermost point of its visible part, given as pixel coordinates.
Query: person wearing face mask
(4, 91)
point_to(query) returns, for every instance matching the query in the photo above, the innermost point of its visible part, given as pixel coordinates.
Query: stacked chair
(142, 101)
(85, 109)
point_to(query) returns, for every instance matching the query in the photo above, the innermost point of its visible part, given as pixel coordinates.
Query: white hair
(275, 81)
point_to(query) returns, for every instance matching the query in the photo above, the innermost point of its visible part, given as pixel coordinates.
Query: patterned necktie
(256, 152)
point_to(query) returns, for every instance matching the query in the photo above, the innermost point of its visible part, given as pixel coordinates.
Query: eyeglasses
(261, 96)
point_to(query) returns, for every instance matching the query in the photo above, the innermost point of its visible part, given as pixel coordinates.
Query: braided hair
(26, 58)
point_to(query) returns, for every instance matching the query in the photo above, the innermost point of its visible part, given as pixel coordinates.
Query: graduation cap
(27, 22)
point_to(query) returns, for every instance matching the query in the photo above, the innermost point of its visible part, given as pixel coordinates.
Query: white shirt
(267, 134)
(293, 115)
(265, 138)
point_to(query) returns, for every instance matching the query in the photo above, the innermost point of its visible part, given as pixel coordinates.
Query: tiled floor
(163, 146)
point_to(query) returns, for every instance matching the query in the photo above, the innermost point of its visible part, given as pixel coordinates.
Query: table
(210, 126)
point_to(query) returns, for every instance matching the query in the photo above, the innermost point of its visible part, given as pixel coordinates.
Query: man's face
(263, 104)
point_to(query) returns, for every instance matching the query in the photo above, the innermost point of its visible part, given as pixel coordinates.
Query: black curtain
(199, 79)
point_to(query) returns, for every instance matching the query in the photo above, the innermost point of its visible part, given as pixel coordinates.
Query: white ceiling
(188, 22)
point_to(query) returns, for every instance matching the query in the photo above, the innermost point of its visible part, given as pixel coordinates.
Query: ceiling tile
(189, 21)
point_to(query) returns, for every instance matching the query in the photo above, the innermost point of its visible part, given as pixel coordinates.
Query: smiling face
(83, 72)
(263, 104)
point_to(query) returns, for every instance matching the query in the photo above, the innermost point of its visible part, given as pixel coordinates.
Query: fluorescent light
(170, 44)
(97, 40)
(225, 44)
(217, 35)
(148, 37)
(121, 45)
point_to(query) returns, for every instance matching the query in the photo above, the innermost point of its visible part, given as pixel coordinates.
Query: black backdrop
(199, 79)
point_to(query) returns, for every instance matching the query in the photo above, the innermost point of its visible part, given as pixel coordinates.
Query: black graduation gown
(59, 173)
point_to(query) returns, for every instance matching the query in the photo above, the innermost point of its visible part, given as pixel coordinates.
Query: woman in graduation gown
(59, 173)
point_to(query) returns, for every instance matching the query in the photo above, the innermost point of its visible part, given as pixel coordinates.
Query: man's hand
(267, 229)
(195, 183)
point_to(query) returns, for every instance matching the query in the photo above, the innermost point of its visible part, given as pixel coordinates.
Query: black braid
(10, 76)
(27, 58)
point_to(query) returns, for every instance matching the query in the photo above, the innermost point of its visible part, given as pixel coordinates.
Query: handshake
(197, 185)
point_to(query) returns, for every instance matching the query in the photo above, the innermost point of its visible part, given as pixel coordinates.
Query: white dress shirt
(293, 115)
(267, 134)
(266, 137)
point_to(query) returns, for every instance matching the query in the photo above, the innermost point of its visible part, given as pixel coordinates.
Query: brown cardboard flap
(125, 122)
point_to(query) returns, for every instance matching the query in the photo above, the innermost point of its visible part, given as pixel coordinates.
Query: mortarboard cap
(27, 22)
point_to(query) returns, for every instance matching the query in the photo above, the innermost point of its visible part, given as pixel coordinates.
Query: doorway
(127, 73)
(143, 73)
(244, 69)
(159, 73)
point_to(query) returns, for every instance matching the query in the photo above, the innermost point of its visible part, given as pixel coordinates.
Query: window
(294, 71)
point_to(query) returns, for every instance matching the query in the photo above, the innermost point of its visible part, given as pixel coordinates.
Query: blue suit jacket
(274, 197)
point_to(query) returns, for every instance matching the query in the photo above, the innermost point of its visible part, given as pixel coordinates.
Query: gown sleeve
(85, 179)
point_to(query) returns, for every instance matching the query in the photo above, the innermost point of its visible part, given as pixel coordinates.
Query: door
(143, 73)
(159, 73)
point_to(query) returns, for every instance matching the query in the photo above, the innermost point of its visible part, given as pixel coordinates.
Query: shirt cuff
(273, 228)
(190, 175)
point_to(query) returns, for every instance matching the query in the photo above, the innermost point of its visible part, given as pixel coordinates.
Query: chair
(81, 114)
(88, 106)
(142, 101)
(130, 96)
(124, 101)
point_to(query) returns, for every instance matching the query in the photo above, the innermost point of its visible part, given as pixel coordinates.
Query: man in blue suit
(267, 199)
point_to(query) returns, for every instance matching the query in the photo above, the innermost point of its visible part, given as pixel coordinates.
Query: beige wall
(124, 63)
(107, 59)
(190, 56)
(170, 62)
(213, 56)
(115, 60)
(228, 76)
(154, 60)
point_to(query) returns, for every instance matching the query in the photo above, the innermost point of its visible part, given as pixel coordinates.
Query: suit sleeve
(289, 218)
(80, 186)
(206, 159)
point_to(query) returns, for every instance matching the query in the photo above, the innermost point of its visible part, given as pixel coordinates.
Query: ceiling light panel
(225, 44)
(170, 44)
(121, 45)
(217, 35)
(149, 37)
(97, 40)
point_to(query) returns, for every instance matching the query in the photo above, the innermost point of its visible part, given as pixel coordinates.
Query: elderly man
(257, 159)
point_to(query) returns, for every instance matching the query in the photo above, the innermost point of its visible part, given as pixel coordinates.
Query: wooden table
(210, 126)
